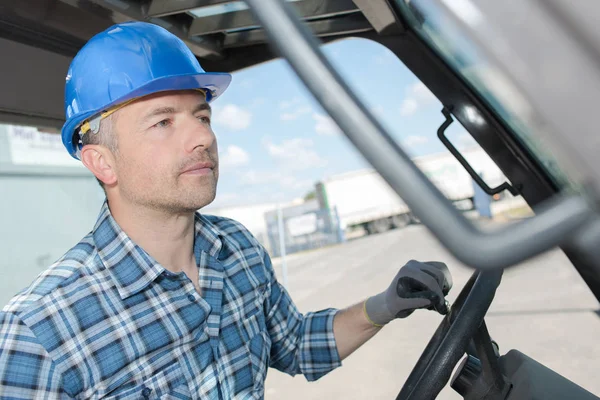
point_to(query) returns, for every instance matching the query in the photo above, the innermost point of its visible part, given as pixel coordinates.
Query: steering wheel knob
(444, 308)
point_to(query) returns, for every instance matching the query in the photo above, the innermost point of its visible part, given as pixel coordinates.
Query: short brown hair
(105, 136)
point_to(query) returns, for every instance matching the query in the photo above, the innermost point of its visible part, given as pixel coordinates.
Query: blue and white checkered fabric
(107, 321)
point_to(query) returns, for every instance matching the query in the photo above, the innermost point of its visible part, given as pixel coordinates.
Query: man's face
(167, 156)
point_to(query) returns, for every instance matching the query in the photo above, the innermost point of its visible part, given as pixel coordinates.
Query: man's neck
(166, 237)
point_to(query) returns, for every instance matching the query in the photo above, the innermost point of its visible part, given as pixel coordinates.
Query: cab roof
(40, 37)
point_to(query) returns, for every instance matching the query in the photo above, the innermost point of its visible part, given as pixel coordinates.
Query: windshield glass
(436, 26)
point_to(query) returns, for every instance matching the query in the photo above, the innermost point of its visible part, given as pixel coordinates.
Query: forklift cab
(523, 78)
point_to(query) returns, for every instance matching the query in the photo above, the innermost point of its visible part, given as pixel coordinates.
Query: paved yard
(542, 308)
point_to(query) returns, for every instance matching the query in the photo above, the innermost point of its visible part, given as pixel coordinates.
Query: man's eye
(204, 119)
(163, 124)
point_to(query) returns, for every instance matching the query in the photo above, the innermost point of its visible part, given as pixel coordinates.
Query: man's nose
(197, 134)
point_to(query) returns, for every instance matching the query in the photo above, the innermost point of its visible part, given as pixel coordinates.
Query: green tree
(310, 195)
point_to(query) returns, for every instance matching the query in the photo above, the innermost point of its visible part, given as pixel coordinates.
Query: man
(159, 300)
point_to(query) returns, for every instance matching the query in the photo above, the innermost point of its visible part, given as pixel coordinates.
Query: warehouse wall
(44, 211)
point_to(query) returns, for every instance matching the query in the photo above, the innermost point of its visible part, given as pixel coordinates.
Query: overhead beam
(240, 58)
(380, 15)
(130, 10)
(161, 8)
(245, 18)
(22, 30)
(330, 27)
(50, 24)
(33, 84)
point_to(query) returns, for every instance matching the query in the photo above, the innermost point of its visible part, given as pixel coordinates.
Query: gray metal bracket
(441, 133)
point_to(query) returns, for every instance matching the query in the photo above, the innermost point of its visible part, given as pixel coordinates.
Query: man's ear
(100, 161)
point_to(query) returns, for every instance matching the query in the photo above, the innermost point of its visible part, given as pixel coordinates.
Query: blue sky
(276, 142)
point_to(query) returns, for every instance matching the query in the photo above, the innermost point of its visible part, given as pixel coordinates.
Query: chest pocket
(170, 383)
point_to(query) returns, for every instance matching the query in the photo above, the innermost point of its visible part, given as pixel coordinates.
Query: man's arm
(315, 343)
(300, 343)
(26, 370)
(417, 285)
(352, 329)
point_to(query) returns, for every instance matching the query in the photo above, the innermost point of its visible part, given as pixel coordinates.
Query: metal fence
(302, 228)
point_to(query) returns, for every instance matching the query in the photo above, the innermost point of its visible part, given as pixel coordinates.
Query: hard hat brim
(214, 82)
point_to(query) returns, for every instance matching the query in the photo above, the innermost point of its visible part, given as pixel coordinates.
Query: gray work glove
(417, 285)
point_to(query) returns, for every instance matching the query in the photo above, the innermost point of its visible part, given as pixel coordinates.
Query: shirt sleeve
(26, 369)
(300, 344)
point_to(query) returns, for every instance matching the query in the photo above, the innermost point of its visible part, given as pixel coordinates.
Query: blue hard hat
(128, 61)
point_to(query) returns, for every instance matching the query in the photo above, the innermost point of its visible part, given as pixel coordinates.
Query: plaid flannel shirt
(107, 321)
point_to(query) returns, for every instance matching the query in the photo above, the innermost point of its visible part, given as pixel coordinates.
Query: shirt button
(146, 392)
(191, 297)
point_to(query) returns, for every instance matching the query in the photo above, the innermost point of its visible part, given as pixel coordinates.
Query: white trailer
(452, 179)
(363, 199)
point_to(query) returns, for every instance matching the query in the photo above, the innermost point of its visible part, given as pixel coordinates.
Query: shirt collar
(209, 238)
(130, 266)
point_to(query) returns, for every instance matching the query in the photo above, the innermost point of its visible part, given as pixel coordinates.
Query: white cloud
(325, 125)
(413, 141)
(292, 115)
(291, 158)
(293, 183)
(254, 177)
(284, 180)
(421, 92)
(233, 117)
(288, 181)
(295, 154)
(408, 107)
(234, 156)
(417, 96)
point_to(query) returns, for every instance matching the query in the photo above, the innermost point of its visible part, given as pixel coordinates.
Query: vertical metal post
(483, 200)
(338, 224)
(282, 245)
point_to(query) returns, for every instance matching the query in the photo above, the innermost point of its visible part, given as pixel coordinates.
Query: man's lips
(199, 168)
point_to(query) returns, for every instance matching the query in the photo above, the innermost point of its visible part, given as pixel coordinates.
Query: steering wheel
(454, 337)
